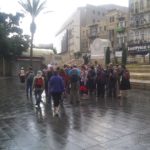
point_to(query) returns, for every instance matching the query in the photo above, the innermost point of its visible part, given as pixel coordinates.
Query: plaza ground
(95, 124)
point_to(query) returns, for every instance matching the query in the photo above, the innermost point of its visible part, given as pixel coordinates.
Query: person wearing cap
(38, 86)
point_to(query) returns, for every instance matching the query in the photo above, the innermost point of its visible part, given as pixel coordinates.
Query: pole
(149, 56)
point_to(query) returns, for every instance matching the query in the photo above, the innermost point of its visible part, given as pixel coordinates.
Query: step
(140, 76)
(140, 84)
(139, 70)
(138, 66)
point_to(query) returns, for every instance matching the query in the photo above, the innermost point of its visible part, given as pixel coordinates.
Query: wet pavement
(93, 125)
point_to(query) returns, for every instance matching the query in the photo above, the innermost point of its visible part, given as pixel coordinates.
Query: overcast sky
(49, 24)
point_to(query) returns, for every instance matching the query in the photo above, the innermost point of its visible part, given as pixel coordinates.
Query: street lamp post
(149, 55)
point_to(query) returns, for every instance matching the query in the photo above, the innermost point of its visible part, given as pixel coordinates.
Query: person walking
(29, 82)
(56, 88)
(38, 86)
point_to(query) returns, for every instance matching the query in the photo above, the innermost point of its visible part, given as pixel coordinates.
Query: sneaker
(56, 114)
(37, 106)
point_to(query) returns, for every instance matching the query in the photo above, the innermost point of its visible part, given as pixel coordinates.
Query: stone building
(139, 33)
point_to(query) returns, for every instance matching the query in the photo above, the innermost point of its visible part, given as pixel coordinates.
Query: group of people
(76, 83)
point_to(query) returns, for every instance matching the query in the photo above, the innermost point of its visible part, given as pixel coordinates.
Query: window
(83, 33)
(142, 21)
(111, 34)
(100, 28)
(121, 24)
(149, 18)
(132, 7)
(93, 31)
(141, 5)
(93, 20)
(136, 34)
(142, 35)
(86, 32)
(104, 28)
(148, 4)
(137, 23)
(136, 7)
(111, 19)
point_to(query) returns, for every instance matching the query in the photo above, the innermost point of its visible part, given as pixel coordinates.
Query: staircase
(140, 76)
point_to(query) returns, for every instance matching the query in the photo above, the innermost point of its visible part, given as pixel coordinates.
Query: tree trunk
(32, 30)
(31, 49)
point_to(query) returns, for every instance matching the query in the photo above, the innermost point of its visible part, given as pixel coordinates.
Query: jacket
(55, 84)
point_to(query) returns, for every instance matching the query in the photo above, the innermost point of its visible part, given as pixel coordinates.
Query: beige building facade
(113, 26)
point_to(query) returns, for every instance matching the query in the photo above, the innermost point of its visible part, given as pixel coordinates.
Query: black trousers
(56, 98)
(100, 89)
(38, 93)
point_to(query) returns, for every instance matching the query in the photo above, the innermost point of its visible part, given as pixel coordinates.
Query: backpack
(30, 77)
(39, 82)
(74, 76)
(127, 75)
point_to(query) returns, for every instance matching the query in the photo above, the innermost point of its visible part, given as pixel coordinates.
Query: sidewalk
(8, 77)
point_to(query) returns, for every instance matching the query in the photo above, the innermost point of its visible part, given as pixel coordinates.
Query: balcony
(140, 11)
(120, 29)
(139, 26)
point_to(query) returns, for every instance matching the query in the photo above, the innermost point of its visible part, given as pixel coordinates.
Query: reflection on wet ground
(95, 124)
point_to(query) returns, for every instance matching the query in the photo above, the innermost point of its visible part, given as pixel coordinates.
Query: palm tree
(34, 8)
